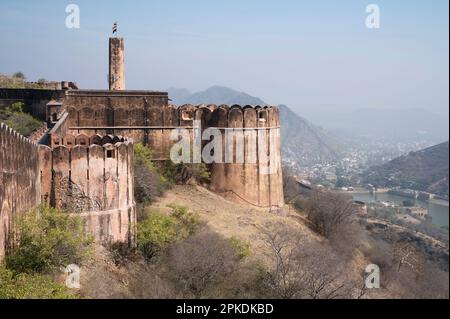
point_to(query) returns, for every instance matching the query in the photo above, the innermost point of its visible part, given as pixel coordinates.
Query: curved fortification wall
(92, 176)
(19, 182)
(249, 166)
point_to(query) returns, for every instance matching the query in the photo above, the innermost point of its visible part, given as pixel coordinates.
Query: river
(439, 211)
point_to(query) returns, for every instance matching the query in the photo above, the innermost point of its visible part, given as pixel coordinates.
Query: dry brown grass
(231, 219)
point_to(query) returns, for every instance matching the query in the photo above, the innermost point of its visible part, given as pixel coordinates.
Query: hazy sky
(315, 55)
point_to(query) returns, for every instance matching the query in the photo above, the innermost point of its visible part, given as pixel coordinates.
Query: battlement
(235, 116)
(248, 166)
(71, 140)
(152, 123)
(92, 176)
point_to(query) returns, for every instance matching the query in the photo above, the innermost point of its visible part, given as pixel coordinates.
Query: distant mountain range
(302, 142)
(426, 170)
(213, 95)
(398, 125)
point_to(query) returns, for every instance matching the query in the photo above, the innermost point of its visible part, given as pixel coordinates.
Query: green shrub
(15, 118)
(31, 286)
(49, 239)
(184, 172)
(23, 123)
(158, 231)
(242, 248)
(143, 156)
(155, 233)
(188, 222)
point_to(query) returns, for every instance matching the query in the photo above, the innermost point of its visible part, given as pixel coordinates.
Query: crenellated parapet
(19, 182)
(230, 116)
(153, 124)
(249, 166)
(92, 176)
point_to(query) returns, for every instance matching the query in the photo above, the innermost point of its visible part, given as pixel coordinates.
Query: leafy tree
(155, 233)
(49, 239)
(188, 222)
(158, 231)
(19, 75)
(14, 117)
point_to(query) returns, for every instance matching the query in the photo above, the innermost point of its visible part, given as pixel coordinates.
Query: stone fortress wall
(84, 163)
(35, 100)
(148, 117)
(20, 182)
(92, 176)
(88, 176)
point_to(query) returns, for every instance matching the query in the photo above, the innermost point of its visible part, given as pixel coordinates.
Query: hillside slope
(425, 170)
(303, 143)
(229, 218)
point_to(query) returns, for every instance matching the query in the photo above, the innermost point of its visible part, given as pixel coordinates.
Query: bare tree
(284, 280)
(202, 261)
(306, 269)
(406, 255)
(146, 184)
(329, 212)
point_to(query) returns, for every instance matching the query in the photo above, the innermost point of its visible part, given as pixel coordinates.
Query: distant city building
(417, 211)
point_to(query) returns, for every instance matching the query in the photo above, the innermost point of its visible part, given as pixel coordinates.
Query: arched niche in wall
(107, 139)
(154, 116)
(121, 117)
(136, 117)
(82, 139)
(86, 117)
(69, 140)
(73, 116)
(100, 116)
(263, 117)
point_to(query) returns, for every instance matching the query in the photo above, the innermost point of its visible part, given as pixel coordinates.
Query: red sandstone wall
(148, 118)
(19, 182)
(93, 178)
(247, 181)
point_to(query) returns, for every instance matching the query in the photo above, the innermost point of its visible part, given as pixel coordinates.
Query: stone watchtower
(116, 64)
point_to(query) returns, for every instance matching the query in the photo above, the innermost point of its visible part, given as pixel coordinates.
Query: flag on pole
(114, 28)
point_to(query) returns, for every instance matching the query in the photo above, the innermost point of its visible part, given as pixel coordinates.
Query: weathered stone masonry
(148, 118)
(19, 182)
(87, 167)
(92, 177)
